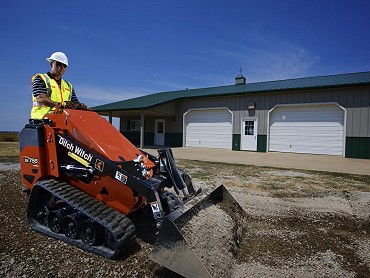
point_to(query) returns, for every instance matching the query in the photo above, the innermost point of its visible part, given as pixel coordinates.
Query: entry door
(159, 132)
(249, 134)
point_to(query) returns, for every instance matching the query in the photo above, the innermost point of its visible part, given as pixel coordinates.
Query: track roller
(71, 225)
(110, 240)
(55, 219)
(91, 232)
(42, 215)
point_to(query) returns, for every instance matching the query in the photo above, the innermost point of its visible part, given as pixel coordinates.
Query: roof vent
(240, 79)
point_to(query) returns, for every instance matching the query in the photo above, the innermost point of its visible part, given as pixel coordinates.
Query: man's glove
(68, 105)
(81, 106)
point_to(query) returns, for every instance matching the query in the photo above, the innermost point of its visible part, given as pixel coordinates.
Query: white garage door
(211, 128)
(316, 129)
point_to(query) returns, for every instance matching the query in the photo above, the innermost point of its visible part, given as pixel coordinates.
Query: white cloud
(93, 95)
(262, 59)
(288, 62)
(80, 30)
(268, 59)
(192, 79)
(208, 79)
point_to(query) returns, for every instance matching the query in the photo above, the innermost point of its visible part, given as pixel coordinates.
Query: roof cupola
(240, 79)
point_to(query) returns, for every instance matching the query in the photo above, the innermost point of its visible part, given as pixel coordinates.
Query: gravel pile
(211, 234)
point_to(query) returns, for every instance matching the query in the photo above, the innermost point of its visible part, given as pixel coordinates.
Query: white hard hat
(59, 57)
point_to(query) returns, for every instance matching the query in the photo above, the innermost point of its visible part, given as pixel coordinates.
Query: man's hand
(81, 106)
(68, 105)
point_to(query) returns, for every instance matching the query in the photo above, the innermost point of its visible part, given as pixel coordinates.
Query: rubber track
(116, 223)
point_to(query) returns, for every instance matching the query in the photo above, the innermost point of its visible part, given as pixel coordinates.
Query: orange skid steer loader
(85, 178)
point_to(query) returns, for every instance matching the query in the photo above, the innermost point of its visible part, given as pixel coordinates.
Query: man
(50, 90)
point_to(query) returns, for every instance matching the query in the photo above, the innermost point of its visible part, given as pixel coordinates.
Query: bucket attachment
(173, 248)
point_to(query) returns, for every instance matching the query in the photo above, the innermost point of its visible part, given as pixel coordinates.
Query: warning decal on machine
(99, 165)
(156, 210)
(121, 177)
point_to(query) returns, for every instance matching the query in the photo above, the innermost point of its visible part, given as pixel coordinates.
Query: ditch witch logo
(75, 151)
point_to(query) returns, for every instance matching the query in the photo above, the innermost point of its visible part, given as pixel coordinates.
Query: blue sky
(124, 49)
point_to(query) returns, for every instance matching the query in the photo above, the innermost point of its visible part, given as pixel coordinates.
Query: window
(160, 127)
(133, 125)
(249, 128)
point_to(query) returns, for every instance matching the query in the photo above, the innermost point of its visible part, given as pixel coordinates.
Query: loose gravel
(299, 224)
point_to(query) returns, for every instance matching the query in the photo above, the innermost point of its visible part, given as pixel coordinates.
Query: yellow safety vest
(64, 93)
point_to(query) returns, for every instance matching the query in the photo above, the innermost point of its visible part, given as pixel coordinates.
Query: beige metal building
(317, 115)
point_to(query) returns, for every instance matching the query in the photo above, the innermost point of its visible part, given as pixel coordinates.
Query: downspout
(142, 118)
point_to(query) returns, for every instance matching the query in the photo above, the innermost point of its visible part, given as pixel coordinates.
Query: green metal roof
(330, 81)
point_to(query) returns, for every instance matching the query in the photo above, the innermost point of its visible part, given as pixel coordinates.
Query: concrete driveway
(327, 163)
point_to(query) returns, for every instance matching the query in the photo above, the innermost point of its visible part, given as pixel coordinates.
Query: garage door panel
(293, 139)
(314, 118)
(208, 128)
(318, 143)
(308, 114)
(313, 148)
(307, 129)
(305, 124)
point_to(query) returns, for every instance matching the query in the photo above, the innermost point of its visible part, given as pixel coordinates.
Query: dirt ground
(297, 224)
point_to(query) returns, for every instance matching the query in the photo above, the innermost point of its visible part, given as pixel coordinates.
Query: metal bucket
(173, 251)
